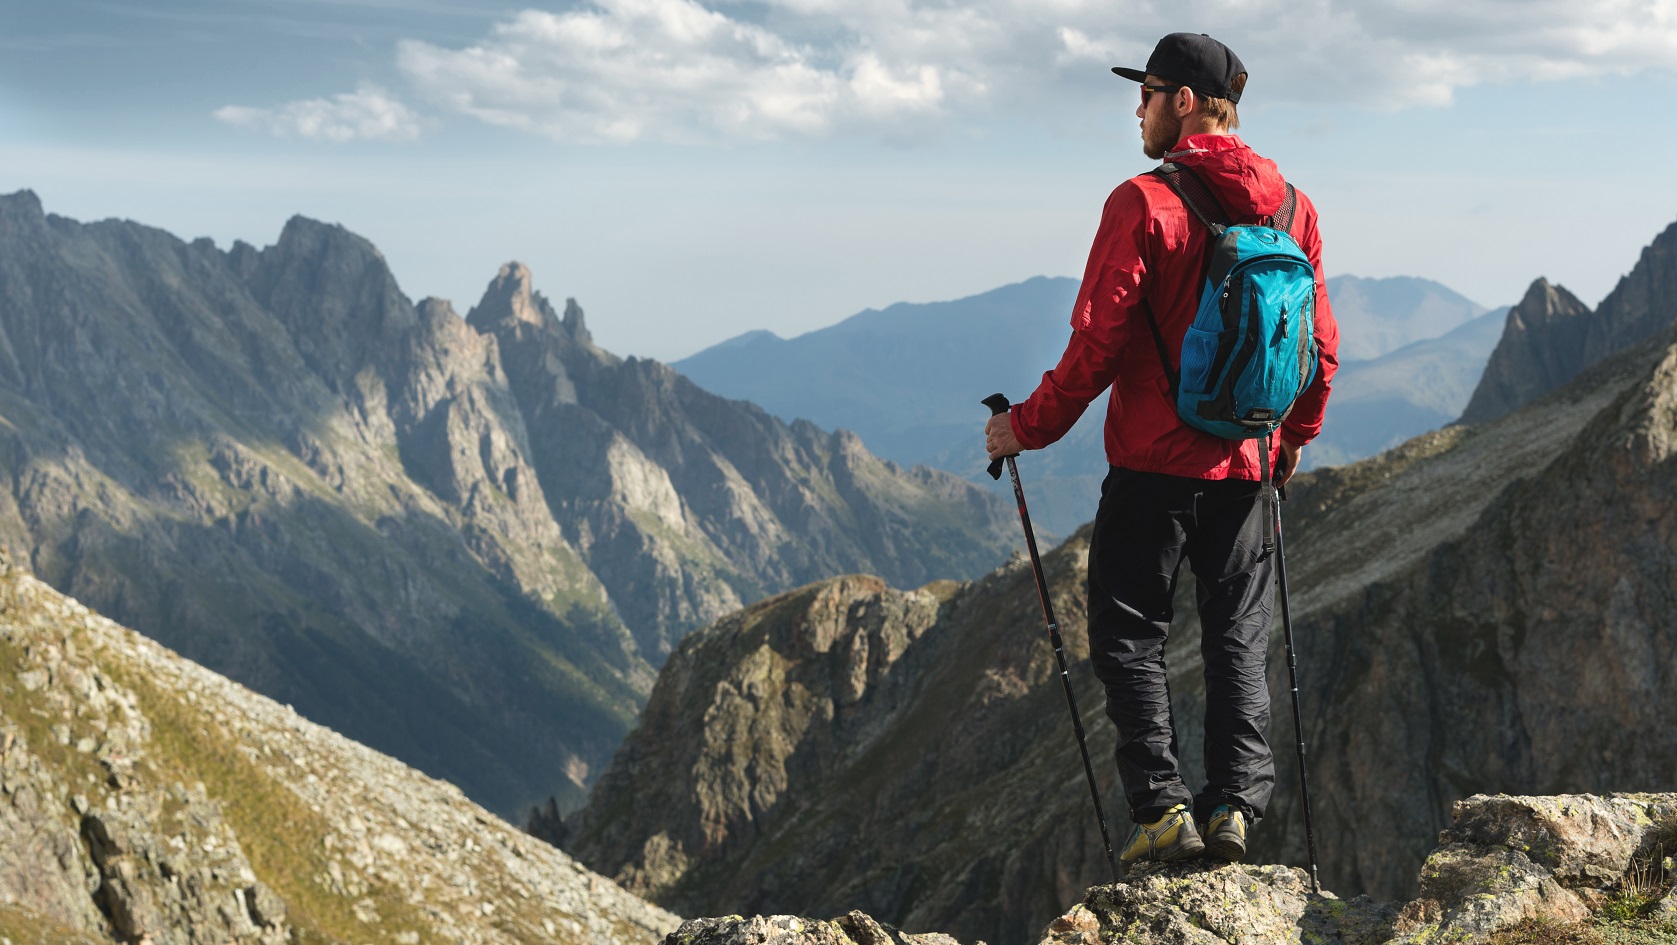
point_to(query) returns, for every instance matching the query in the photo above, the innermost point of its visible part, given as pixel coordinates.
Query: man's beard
(1159, 134)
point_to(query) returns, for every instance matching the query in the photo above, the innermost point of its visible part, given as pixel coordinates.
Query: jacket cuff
(1028, 442)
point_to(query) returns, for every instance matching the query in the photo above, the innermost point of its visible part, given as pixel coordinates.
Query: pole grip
(997, 404)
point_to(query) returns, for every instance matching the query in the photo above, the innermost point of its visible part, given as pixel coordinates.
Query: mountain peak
(574, 323)
(1541, 348)
(309, 235)
(517, 275)
(23, 203)
(510, 297)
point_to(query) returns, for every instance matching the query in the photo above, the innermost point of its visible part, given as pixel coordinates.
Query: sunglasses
(1147, 90)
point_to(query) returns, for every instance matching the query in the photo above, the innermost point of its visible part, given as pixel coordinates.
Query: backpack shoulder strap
(1171, 374)
(1283, 218)
(1202, 203)
(1195, 195)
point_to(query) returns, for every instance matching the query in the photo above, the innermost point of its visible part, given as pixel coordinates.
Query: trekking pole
(998, 404)
(1293, 679)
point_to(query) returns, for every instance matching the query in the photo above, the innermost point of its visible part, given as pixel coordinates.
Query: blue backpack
(1252, 347)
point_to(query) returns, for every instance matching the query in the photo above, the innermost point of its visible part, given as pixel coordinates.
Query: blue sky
(690, 170)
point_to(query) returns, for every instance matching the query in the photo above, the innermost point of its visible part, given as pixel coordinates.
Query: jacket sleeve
(1305, 421)
(1108, 306)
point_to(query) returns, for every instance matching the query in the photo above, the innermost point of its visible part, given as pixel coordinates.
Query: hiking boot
(1225, 833)
(1167, 840)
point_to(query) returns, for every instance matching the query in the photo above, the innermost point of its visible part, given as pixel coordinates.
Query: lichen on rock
(854, 928)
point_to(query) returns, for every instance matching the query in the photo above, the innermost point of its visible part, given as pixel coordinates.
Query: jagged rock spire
(1542, 347)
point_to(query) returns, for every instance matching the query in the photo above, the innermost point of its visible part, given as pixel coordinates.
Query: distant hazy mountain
(1379, 316)
(1379, 403)
(907, 379)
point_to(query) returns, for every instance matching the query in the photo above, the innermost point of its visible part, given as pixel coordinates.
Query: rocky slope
(1515, 870)
(1483, 609)
(1551, 336)
(428, 536)
(144, 798)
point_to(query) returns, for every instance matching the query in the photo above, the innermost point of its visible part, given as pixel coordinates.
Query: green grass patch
(283, 838)
(1546, 932)
(19, 926)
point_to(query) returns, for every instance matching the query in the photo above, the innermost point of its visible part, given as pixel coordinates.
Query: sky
(689, 170)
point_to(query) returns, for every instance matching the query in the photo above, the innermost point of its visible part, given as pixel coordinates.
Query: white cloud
(365, 114)
(624, 70)
(685, 70)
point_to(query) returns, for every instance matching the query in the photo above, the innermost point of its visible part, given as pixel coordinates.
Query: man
(1173, 491)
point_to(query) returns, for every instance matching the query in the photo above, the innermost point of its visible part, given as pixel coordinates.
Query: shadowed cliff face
(434, 539)
(1541, 348)
(1481, 610)
(1551, 336)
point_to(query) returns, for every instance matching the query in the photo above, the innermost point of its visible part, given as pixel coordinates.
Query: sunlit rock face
(466, 544)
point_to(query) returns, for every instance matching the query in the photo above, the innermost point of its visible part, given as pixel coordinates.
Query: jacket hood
(1246, 184)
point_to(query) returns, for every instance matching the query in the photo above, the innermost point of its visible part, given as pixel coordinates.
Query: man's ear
(1186, 101)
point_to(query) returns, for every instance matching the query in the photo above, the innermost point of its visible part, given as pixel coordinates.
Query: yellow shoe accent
(1170, 838)
(1225, 833)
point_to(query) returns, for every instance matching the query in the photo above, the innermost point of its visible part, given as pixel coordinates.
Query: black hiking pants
(1147, 523)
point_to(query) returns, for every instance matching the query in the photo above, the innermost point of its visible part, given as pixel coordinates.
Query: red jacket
(1151, 246)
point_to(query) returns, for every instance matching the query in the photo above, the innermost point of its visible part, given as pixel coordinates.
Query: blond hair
(1221, 111)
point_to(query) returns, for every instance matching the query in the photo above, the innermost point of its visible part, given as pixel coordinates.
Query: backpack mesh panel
(1283, 219)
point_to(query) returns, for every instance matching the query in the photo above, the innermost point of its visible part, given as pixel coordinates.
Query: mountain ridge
(277, 463)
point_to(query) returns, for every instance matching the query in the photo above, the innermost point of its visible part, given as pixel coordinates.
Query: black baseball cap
(1195, 60)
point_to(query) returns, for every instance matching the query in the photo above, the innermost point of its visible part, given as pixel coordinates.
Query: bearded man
(1172, 491)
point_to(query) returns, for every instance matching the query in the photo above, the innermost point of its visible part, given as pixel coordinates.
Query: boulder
(854, 928)
(1198, 904)
(1509, 860)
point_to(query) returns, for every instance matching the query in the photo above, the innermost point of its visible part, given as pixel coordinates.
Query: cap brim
(1134, 75)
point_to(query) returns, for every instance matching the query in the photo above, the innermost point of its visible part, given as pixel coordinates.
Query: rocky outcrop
(145, 799)
(459, 546)
(1196, 905)
(1525, 868)
(1642, 306)
(1512, 860)
(854, 928)
(850, 746)
(759, 709)
(1483, 609)
(1551, 336)
(1542, 347)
